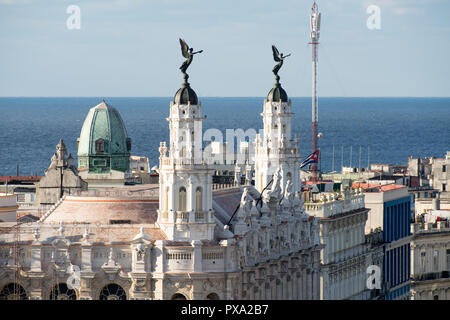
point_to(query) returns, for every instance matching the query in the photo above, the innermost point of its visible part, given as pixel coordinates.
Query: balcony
(190, 217)
(438, 226)
(334, 207)
(431, 276)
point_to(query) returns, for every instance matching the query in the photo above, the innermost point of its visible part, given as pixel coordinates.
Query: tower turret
(277, 148)
(185, 181)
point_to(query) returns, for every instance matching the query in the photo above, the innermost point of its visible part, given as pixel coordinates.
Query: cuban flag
(312, 158)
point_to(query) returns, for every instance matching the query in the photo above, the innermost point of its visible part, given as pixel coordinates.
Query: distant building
(431, 171)
(8, 207)
(430, 259)
(390, 211)
(430, 200)
(225, 161)
(346, 255)
(140, 169)
(61, 178)
(22, 186)
(386, 179)
(440, 173)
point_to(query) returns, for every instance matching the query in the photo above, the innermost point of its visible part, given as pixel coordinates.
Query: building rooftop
(368, 187)
(19, 179)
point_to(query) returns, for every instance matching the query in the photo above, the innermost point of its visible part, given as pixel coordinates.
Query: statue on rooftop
(189, 55)
(278, 58)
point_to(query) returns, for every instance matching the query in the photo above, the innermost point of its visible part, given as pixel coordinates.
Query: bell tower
(185, 181)
(276, 149)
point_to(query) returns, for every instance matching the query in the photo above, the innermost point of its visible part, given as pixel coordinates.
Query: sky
(130, 48)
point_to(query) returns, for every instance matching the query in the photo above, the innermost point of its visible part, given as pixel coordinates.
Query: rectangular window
(119, 221)
(422, 261)
(444, 168)
(20, 197)
(448, 259)
(402, 260)
(444, 187)
(436, 260)
(101, 163)
(409, 261)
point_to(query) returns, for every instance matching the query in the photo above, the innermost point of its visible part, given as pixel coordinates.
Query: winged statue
(188, 53)
(278, 58)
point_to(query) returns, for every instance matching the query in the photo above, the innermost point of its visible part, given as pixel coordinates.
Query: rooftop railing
(438, 226)
(333, 207)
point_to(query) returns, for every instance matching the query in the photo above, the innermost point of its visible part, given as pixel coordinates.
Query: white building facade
(175, 240)
(346, 256)
(430, 261)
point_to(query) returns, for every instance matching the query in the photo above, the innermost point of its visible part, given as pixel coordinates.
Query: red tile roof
(382, 188)
(20, 178)
(316, 182)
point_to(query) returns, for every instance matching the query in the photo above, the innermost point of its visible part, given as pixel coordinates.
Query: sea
(361, 131)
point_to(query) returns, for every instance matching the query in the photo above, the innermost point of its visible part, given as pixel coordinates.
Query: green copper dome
(103, 144)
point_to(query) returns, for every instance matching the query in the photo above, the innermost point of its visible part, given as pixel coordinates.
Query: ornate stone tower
(277, 149)
(61, 178)
(185, 181)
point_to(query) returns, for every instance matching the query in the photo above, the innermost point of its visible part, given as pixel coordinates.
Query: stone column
(86, 290)
(294, 282)
(197, 261)
(86, 274)
(35, 265)
(305, 284)
(279, 288)
(158, 275)
(299, 282)
(35, 274)
(197, 290)
(310, 284)
(316, 285)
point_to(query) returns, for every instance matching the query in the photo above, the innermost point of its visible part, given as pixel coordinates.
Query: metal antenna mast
(332, 163)
(315, 34)
(359, 164)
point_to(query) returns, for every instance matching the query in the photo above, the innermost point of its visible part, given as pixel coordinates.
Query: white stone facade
(345, 255)
(276, 150)
(175, 241)
(8, 207)
(430, 261)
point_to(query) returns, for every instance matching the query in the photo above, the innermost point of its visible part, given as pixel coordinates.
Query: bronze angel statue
(188, 54)
(278, 58)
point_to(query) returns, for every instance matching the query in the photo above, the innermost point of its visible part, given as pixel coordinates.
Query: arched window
(62, 292)
(199, 199)
(182, 199)
(100, 145)
(13, 291)
(113, 292)
(178, 296)
(284, 128)
(212, 296)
